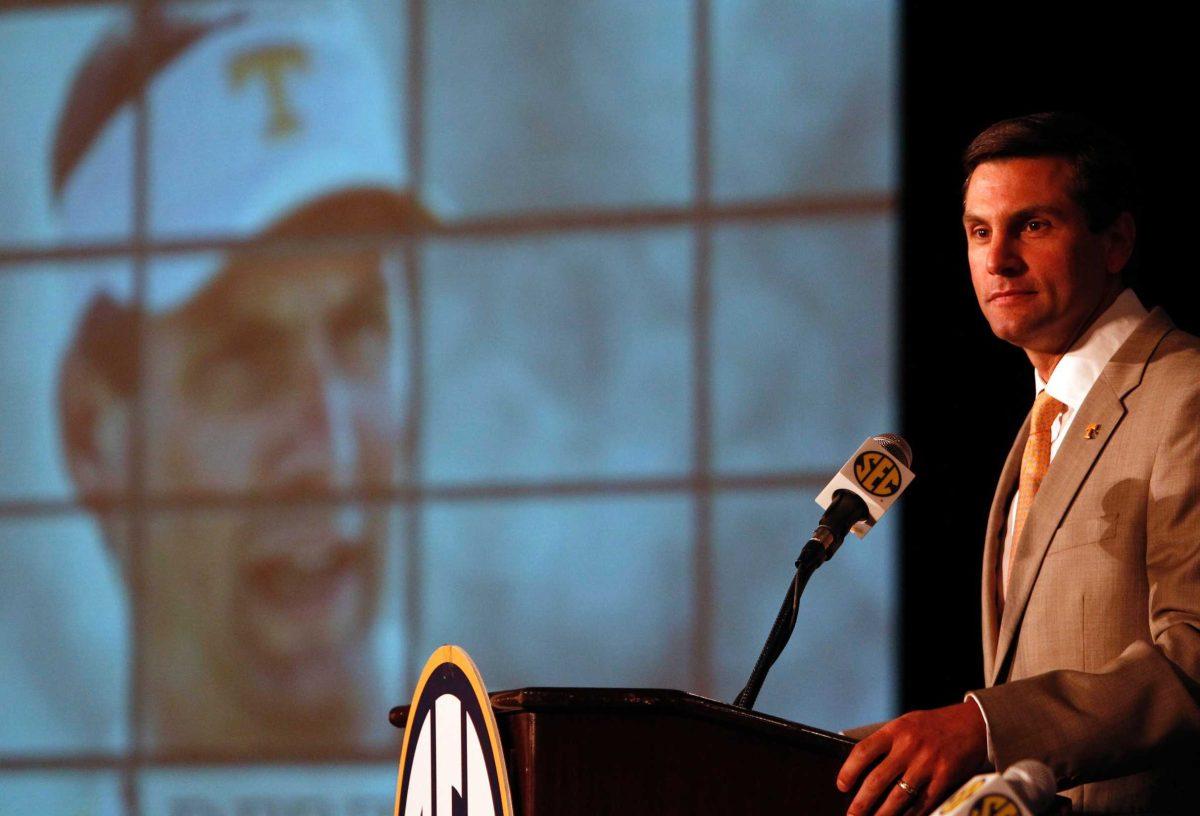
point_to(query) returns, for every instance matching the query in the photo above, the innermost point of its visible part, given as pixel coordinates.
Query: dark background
(964, 393)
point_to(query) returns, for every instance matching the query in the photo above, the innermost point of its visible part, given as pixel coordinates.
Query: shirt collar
(1080, 367)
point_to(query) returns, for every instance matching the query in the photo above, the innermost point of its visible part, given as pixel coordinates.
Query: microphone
(863, 490)
(859, 495)
(1026, 788)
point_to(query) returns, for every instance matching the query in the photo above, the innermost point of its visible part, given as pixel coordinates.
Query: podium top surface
(630, 701)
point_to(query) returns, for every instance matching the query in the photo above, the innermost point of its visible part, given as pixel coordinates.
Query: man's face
(275, 382)
(1039, 272)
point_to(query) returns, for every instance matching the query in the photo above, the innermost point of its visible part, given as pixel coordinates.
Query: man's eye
(979, 232)
(1035, 225)
(238, 372)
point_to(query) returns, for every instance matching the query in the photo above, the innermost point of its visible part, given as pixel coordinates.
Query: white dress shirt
(1070, 382)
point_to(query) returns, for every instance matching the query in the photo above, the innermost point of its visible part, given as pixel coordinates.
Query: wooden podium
(626, 752)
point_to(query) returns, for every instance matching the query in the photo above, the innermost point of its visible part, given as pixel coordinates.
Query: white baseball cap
(257, 114)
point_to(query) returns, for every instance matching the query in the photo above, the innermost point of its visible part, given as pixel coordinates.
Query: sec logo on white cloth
(451, 760)
(878, 473)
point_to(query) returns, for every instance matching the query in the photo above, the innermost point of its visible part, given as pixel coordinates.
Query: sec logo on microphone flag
(964, 793)
(995, 805)
(877, 473)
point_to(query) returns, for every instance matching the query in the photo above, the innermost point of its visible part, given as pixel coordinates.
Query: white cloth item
(251, 121)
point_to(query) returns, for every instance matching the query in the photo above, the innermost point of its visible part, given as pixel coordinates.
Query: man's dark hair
(1105, 182)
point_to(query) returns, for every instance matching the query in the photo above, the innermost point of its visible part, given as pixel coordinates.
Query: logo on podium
(451, 760)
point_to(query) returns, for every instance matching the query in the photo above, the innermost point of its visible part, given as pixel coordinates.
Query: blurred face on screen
(273, 385)
(264, 408)
(276, 381)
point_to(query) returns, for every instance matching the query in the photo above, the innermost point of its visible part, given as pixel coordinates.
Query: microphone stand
(842, 514)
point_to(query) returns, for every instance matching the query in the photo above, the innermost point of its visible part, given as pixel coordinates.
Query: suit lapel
(1104, 407)
(1071, 464)
(997, 522)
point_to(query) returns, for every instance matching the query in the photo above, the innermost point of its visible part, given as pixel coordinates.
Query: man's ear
(1121, 235)
(96, 386)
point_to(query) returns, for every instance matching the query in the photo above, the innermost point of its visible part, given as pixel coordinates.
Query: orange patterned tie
(1034, 464)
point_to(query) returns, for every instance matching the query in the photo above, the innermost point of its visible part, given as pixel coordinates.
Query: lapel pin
(1091, 431)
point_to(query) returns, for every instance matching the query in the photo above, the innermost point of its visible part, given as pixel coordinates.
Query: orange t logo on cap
(271, 64)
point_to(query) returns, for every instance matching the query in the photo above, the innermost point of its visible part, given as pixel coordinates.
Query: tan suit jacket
(1094, 665)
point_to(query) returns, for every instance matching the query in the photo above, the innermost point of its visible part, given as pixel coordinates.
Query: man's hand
(932, 751)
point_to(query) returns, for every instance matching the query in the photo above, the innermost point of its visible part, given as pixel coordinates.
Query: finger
(932, 795)
(860, 757)
(924, 802)
(875, 786)
(899, 800)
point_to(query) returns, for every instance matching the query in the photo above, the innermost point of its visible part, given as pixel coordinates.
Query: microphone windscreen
(896, 445)
(1034, 782)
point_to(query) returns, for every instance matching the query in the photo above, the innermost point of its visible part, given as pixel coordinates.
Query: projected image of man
(264, 388)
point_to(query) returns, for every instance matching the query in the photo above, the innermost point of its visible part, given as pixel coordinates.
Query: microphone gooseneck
(846, 508)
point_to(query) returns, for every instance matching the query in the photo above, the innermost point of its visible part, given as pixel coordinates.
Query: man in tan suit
(1091, 575)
